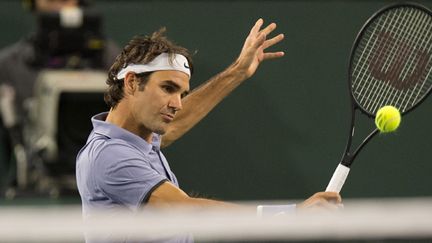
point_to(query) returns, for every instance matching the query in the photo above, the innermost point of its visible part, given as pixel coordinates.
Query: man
(122, 165)
(20, 65)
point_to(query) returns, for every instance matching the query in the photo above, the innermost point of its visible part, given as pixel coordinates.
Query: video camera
(71, 38)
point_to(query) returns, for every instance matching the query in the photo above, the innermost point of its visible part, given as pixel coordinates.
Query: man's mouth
(167, 117)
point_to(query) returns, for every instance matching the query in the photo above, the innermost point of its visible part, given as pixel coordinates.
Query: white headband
(161, 62)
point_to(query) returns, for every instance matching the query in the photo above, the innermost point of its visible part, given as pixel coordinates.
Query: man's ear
(130, 83)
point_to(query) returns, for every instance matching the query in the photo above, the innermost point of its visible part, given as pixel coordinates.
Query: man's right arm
(168, 195)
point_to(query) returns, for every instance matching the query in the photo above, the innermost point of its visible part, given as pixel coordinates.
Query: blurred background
(279, 136)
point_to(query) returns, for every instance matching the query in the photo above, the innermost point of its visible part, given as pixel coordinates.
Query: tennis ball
(387, 119)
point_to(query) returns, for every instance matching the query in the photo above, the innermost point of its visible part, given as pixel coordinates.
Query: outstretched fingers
(256, 28)
(273, 55)
(252, 53)
(259, 41)
(273, 41)
(267, 30)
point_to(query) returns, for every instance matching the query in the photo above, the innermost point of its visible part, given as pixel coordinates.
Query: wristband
(275, 210)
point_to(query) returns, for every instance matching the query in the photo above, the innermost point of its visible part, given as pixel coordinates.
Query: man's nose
(176, 103)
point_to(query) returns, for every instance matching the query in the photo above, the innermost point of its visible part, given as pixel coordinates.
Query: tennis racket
(390, 64)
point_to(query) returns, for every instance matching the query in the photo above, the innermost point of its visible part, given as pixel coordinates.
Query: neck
(122, 117)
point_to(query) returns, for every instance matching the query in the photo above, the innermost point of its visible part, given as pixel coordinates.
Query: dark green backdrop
(279, 135)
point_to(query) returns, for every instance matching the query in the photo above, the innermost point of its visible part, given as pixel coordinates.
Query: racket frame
(348, 157)
(343, 168)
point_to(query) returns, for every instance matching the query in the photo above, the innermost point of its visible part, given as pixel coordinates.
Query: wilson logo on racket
(401, 73)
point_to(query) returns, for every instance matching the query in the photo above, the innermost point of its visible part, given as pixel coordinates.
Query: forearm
(202, 100)
(168, 196)
(206, 203)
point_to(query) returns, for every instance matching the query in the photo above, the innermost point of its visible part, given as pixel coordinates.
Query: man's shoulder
(106, 156)
(100, 146)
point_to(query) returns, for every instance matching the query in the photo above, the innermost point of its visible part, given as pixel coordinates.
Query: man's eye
(168, 89)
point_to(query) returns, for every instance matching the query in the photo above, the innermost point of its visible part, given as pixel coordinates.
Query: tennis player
(122, 165)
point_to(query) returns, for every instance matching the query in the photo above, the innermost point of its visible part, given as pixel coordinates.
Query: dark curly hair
(140, 50)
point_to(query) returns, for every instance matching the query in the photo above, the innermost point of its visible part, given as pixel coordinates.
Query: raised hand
(253, 51)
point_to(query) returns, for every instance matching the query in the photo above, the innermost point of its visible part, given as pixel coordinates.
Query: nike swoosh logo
(186, 66)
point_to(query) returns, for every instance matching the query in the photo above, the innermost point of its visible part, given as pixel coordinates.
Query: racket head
(391, 59)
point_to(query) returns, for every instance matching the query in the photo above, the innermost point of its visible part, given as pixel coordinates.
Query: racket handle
(338, 179)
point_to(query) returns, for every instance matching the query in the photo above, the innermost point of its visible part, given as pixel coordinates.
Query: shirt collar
(100, 126)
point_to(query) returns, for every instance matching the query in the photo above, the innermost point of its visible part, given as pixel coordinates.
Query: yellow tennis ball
(387, 119)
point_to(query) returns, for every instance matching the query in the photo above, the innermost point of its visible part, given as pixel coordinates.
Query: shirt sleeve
(125, 176)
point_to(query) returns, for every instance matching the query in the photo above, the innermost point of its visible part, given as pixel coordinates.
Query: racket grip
(338, 179)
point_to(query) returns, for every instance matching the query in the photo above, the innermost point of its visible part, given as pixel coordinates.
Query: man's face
(54, 5)
(155, 106)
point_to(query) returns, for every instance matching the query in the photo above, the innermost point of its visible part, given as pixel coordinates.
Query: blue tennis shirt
(118, 169)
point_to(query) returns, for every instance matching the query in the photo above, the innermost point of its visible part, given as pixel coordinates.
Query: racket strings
(419, 61)
(392, 62)
(410, 68)
(379, 90)
(403, 54)
(367, 86)
(384, 40)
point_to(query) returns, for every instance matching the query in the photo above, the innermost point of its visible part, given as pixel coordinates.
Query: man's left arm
(204, 98)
